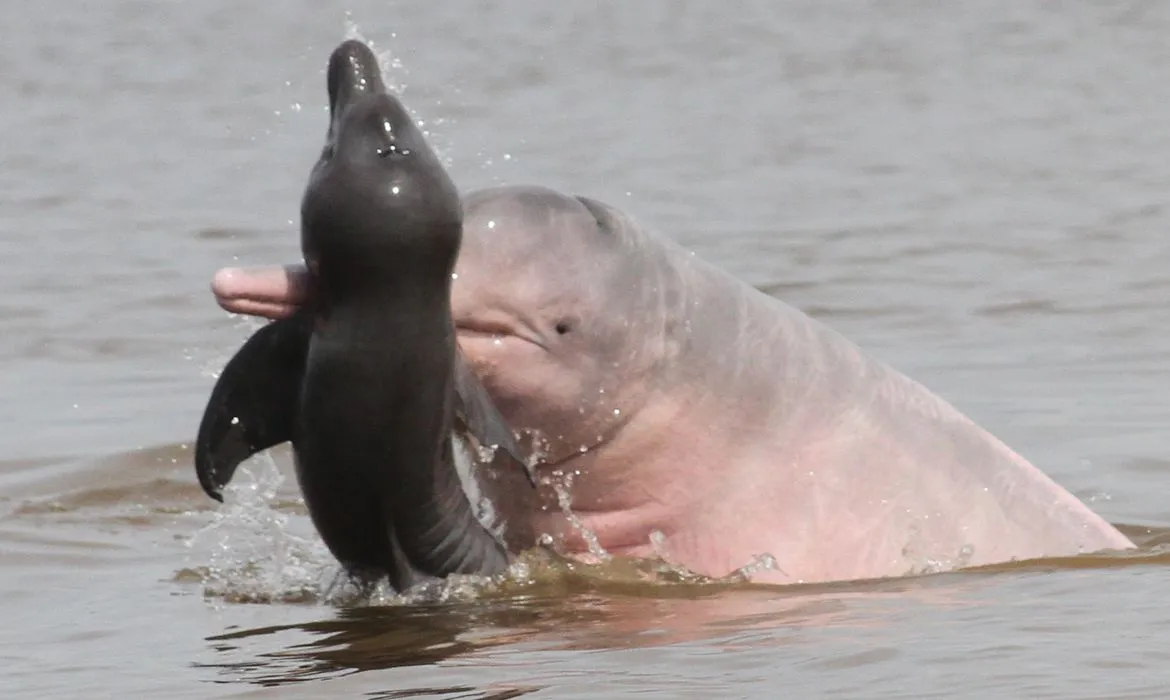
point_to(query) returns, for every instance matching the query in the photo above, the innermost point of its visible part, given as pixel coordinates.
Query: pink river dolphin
(689, 416)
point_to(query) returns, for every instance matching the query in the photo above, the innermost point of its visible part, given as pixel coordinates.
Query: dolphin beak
(353, 72)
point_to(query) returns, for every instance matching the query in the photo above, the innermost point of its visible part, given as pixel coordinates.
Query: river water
(975, 193)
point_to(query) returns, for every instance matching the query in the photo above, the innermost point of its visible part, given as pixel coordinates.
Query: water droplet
(394, 189)
(617, 411)
(235, 420)
(454, 275)
(491, 224)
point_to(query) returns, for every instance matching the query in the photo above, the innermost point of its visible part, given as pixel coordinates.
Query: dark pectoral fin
(253, 405)
(475, 410)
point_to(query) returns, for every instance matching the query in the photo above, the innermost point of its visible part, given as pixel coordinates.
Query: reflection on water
(576, 613)
(599, 611)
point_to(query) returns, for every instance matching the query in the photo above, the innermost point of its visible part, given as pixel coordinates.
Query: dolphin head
(563, 313)
(378, 198)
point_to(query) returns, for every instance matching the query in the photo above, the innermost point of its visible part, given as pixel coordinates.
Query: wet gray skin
(368, 382)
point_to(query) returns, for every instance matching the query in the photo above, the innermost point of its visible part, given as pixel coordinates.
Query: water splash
(922, 563)
(393, 71)
(561, 482)
(758, 564)
(395, 74)
(248, 553)
(252, 552)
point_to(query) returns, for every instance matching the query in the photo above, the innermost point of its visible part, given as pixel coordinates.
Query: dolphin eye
(563, 327)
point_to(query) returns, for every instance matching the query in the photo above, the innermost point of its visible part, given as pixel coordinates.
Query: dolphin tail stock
(479, 417)
(253, 405)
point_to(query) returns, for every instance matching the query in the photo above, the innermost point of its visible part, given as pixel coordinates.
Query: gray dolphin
(368, 382)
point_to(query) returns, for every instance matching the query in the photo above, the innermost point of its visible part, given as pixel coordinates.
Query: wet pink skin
(268, 292)
(684, 404)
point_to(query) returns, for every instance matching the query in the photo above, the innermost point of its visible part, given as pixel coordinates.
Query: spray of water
(249, 551)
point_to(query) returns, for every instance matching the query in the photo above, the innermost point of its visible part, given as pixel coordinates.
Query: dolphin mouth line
(481, 330)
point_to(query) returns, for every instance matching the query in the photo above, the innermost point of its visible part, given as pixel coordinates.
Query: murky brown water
(977, 194)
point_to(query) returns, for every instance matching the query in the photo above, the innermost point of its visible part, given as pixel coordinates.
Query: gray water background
(974, 192)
